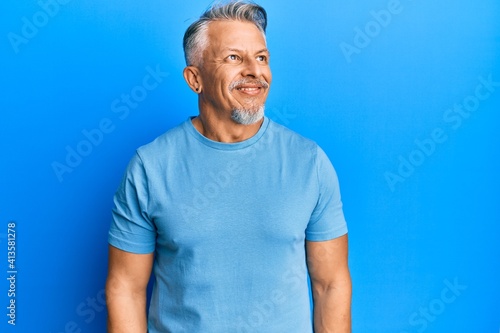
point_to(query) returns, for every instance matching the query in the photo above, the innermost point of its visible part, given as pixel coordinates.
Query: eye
(233, 58)
(262, 58)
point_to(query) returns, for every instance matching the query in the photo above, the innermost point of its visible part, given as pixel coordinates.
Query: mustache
(245, 81)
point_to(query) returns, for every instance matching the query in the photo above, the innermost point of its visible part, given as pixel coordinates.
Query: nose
(252, 68)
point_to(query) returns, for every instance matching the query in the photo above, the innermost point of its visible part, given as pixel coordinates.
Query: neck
(224, 130)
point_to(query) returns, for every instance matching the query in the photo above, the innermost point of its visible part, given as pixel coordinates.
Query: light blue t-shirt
(227, 223)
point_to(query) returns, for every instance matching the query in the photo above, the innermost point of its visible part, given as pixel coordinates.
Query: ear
(193, 78)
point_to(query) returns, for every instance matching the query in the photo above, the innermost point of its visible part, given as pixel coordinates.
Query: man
(229, 209)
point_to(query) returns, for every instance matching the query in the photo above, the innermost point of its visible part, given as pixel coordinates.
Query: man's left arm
(331, 285)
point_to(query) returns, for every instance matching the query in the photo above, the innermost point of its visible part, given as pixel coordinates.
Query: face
(235, 73)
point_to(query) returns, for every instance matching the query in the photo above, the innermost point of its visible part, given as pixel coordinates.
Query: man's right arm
(126, 285)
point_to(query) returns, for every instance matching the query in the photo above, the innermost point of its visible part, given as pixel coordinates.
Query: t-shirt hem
(131, 247)
(325, 236)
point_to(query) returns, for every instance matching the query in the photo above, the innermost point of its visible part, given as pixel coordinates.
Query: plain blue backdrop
(404, 96)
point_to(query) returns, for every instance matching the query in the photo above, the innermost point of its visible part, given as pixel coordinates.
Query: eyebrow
(241, 51)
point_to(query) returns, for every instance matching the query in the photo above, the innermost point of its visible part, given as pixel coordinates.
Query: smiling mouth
(249, 90)
(249, 87)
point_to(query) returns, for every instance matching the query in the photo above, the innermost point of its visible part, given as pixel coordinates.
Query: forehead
(235, 34)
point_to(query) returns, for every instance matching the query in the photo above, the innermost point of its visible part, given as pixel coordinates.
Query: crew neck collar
(188, 125)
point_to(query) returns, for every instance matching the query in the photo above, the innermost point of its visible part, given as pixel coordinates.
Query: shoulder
(303, 150)
(284, 133)
(166, 142)
(292, 140)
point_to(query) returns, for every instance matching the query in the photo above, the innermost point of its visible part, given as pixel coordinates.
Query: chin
(247, 116)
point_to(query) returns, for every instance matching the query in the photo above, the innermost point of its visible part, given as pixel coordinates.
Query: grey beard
(247, 116)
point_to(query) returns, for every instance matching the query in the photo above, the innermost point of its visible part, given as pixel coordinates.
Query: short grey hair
(195, 38)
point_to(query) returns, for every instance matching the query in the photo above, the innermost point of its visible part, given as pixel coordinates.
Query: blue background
(422, 216)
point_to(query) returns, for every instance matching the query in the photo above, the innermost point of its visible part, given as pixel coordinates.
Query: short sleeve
(131, 228)
(327, 220)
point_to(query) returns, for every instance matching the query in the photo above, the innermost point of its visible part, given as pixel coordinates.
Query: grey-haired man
(231, 210)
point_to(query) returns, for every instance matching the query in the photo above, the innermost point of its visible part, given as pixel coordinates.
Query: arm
(331, 285)
(128, 277)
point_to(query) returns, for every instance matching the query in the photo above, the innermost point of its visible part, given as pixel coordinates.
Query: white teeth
(249, 89)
